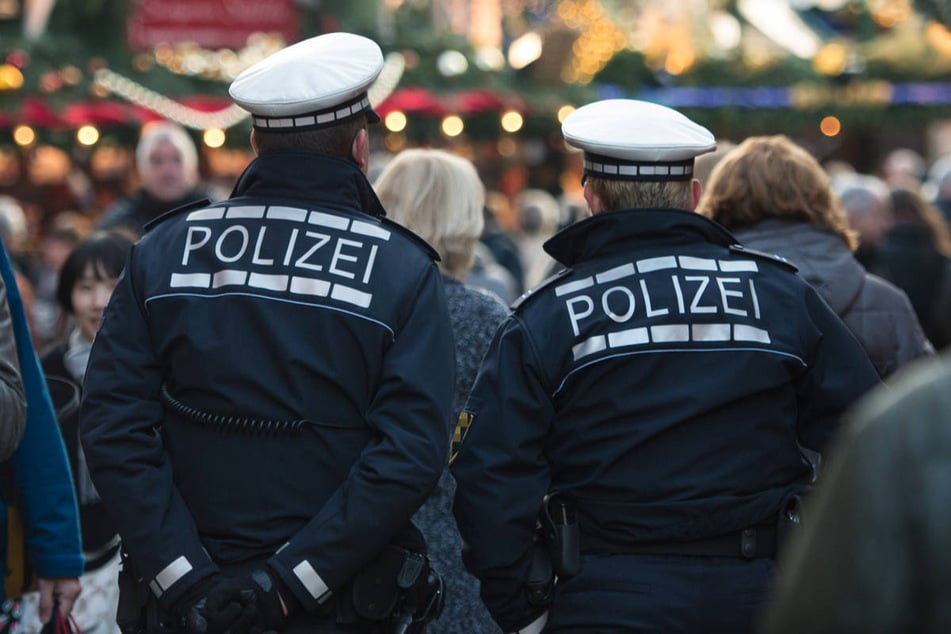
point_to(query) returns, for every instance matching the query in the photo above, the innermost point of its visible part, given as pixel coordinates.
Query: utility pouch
(541, 578)
(562, 535)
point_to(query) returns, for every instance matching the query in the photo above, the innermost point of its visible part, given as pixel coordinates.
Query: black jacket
(305, 349)
(665, 381)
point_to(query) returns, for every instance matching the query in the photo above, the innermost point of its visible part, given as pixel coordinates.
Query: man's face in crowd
(164, 176)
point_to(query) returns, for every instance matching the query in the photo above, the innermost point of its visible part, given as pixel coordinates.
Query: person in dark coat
(775, 197)
(648, 406)
(916, 256)
(439, 196)
(266, 401)
(873, 555)
(167, 164)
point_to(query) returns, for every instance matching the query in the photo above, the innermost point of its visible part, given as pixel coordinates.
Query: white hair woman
(440, 197)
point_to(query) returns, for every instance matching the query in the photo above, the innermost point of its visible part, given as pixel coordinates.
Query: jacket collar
(297, 176)
(612, 230)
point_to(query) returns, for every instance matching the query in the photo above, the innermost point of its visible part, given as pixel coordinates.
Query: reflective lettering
(575, 317)
(257, 259)
(221, 240)
(630, 304)
(725, 294)
(339, 255)
(192, 246)
(695, 306)
(366, 274)
(651, 312)
(322, 239)
(290, 247)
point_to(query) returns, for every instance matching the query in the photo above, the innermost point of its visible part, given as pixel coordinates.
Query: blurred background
(852, 80)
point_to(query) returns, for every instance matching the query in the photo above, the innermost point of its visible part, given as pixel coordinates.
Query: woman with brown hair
(775, 197)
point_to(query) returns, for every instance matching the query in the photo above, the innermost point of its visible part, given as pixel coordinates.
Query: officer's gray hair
(623, 194)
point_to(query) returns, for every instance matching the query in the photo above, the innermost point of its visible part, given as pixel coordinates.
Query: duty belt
(757, 542)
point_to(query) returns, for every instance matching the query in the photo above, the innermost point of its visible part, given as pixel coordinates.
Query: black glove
(215, 605)
(274, 601)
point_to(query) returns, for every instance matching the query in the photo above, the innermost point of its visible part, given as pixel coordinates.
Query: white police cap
(315, 83)
(627, 139)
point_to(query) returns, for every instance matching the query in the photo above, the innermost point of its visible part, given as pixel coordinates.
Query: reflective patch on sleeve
(311, 580)
(173, 572)
(462, 428)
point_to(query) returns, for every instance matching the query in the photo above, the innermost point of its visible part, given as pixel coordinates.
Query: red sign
(209, 23)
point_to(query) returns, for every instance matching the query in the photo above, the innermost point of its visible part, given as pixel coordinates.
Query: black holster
(400, 590)
(561, 534)
(139, 611)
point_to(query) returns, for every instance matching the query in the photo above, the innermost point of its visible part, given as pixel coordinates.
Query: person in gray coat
(873, 555)
(12, 395)
(775, 197)
(440, 197)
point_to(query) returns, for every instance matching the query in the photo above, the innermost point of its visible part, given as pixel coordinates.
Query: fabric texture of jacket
(12, 396)
(877, 312)
(475, 316)
(43, 484)
(664, 381)
(873, 557)
(272, 379)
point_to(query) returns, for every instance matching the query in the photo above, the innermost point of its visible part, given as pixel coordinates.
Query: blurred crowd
(876, 246)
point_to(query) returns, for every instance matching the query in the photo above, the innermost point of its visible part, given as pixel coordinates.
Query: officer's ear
(360, 149)
(695, 190)
(254, 142)
(593, 200)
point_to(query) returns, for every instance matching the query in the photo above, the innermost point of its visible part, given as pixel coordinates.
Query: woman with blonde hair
(440, 197)
(775, 197)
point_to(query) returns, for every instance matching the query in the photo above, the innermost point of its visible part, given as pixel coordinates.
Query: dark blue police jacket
(305, 350)
(665, 381)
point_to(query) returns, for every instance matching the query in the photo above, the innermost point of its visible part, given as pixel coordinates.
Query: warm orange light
(830, 126)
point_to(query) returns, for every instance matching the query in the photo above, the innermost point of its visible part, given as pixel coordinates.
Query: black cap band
(326, 118)
(612, 168)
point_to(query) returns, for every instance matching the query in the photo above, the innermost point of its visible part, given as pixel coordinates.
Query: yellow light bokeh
(214, 137)
(87, 135)
(452, 125)
(830, 126)
(395, 121)
(564, 111)
(512, 121)
(24, 135)
(831, 59)
(10, 77)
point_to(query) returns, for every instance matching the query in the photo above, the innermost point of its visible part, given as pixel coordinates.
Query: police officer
(266, 399)
(656, 392)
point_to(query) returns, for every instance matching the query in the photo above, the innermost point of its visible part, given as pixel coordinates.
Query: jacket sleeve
(12, 396)
(120, 423)
(398, 469)
(839, 372)
(44, 484)
(502, 474)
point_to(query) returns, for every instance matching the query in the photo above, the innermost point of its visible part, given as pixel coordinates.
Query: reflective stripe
(311, 580)
(536, 626)
(173, 572)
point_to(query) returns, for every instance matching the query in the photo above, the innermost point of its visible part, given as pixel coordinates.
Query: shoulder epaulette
(395, 226)
(536, 290)
(198, 204)
(762, 255)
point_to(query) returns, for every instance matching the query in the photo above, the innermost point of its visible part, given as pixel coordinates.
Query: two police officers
(656, 394)
(266, 400)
